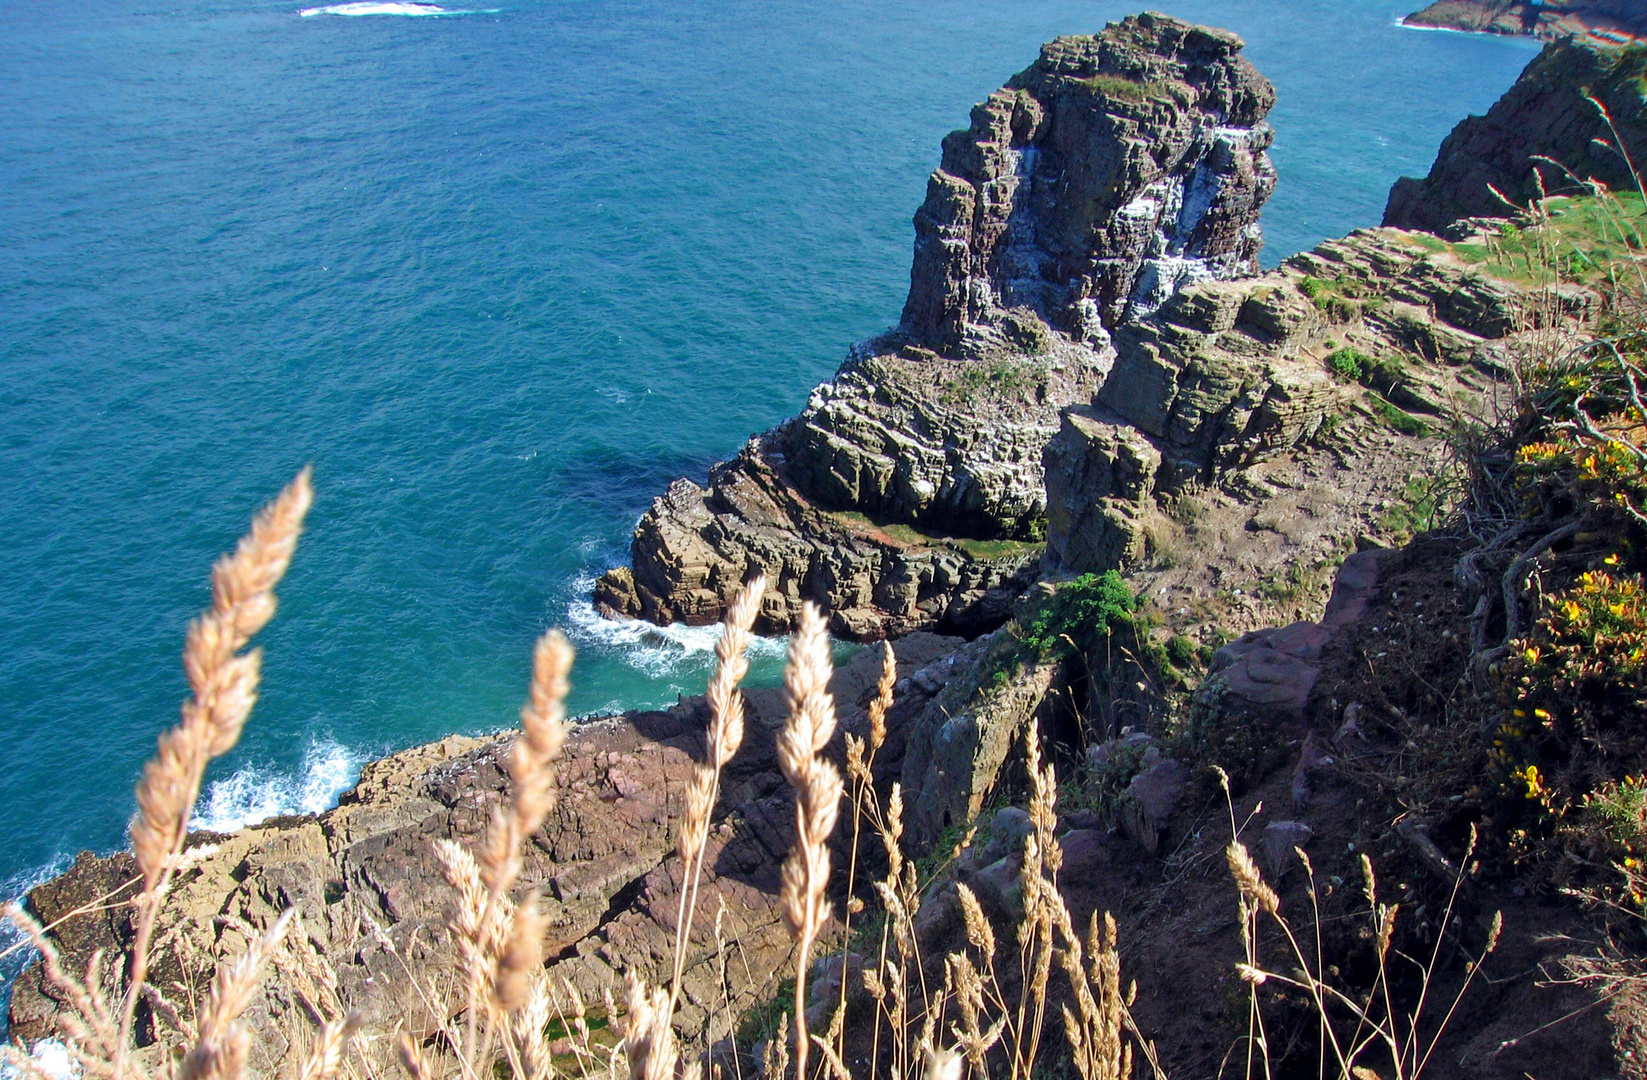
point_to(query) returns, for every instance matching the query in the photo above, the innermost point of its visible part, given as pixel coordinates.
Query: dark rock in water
(1097, 182)
(1544, 114)
(1611, 20)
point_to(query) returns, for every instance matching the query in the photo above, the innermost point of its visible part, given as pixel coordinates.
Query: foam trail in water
(373, 8)
(659, 651)
(257, 793)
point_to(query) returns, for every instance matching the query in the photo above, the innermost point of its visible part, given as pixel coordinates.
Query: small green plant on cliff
(1342, 299)
(1121, 88)
(1091, 607)
(980, 380)
(1349, 364)
(1398, 418)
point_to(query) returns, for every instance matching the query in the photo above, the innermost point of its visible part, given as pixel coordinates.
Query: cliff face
(1545, 114)
(1549, 19)
(909, 492)
(1095, 181)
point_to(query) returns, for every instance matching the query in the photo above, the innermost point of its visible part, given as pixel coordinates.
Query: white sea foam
(658, 651)
(257, 793)
(47, 1057)
(371, 7)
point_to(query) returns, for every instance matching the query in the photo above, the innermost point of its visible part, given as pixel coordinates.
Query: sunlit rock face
(1113, 170)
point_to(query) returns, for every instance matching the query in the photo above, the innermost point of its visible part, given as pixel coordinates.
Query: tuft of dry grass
(223, 681)
(724, 737)
(818, 791)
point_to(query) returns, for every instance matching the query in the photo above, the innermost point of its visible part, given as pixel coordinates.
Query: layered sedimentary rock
(1547, 19)
(697, 545)
(1547, 115)
(1116, 169)
(1384, 324)
(1112, 169)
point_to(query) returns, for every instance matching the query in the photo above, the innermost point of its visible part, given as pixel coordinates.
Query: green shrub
(1183, 651)
(1073, 619)
(1350, 364)
(1078, 614)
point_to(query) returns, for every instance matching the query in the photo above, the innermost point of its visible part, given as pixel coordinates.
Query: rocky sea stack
(909, 493)
(1182, 528)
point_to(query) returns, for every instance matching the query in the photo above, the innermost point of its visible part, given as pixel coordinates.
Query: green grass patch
(1418, 509)
(907, 535)
(1121, 88)
(1381, 373)
(1399, 419)
(1582, 239)
(979, 380)
(1341, 299)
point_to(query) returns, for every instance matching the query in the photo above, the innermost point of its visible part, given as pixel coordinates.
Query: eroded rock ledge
(909, 492)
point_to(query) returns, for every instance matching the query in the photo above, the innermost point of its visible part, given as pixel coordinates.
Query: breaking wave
(371, 7)
(661, 652)
(257, 793)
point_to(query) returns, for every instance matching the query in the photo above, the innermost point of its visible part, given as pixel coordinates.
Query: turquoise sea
(500, 271)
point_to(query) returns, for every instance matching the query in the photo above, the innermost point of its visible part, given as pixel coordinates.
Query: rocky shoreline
(1612, 21)
(1091, 375)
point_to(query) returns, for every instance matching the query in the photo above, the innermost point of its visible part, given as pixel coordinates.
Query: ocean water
(500, 270)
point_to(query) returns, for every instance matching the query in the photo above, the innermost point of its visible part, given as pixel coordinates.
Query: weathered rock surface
(1612, 20)
(696, 546)
(605, 862)
(1114, 170)
(1545, 114)
(1230, 379)
(1111, 170)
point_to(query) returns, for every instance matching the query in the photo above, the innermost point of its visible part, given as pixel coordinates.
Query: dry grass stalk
(522, 956)
(223, 684)
(860, 763)
(818, 790)
(326, 1055)
(1379, 1019)
(649, 1035)
(93, 1034)
(1043, 857)
(411, 1058)
(724, 737)
(1094, 1028)
(488, 938)
(224, 1042)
